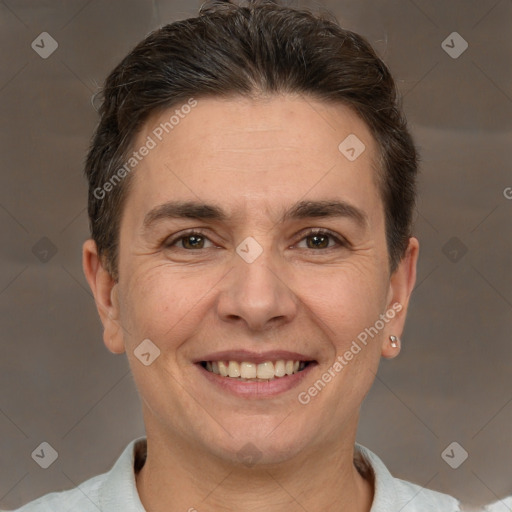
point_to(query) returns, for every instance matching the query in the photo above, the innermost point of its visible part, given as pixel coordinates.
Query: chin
(260, 441)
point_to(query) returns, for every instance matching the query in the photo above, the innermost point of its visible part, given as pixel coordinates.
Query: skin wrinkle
(159, 218)
(190, 302)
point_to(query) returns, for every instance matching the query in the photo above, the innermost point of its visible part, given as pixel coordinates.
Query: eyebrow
(300, 210)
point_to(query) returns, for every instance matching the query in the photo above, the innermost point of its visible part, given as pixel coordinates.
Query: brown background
(59, 384)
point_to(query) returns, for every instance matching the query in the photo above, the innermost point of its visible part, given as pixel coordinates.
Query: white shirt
(116, 491)
(504, 505)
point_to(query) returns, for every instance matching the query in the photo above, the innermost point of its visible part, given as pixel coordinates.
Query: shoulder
(84, 498)
(418, 499)
(504, 505)
(114, 490)
(392, 493)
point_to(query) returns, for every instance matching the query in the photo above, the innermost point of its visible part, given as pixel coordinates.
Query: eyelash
(341, 242)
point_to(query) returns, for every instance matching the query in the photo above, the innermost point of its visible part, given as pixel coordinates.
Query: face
(278, 255)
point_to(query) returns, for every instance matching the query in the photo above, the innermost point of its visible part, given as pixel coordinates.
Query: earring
(394, 341)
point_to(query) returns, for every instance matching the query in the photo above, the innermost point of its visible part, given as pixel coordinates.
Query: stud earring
(394, 341)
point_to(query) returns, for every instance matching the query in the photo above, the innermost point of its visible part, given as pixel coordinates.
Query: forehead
(267, 151)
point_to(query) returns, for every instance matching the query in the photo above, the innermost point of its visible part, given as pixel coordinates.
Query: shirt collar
(384, 491)
(391, 493)
(118, 491)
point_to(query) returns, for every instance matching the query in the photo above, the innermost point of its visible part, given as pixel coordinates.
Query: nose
(257, 294)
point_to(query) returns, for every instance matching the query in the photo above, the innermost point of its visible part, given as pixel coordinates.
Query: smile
(255, 387)
(255, 372)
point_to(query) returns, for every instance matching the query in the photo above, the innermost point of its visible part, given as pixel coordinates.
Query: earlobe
(391, 347)
(401, 285)
(105, 291)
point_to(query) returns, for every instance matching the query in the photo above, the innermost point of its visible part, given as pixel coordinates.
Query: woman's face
(254, 286)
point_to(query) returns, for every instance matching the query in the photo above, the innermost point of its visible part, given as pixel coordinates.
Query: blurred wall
(451, 383)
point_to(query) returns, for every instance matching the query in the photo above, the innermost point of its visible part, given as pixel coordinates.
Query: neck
(177, 477)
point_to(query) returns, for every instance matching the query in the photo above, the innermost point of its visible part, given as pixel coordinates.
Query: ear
(105, 291)
(401, 285)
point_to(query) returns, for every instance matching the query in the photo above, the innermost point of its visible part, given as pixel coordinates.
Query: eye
(320, 239)
(315, 239)
(189, 240)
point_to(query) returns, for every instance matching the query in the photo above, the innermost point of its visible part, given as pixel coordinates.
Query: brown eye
(192, 240)
(320, 239)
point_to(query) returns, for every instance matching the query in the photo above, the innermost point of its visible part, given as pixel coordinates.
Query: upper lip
(254, 357)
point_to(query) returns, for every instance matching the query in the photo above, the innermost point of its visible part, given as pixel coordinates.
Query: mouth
(251, 375)
(244, 371)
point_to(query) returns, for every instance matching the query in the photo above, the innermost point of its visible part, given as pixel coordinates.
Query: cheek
(163, 303)
(347, 299)
(166, 302)
(345, 306)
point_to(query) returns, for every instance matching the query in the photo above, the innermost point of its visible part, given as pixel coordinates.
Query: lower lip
(247, 389)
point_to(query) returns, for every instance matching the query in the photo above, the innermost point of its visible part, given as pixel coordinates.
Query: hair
(230, 50)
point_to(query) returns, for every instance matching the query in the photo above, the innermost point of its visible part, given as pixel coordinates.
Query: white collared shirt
(504, 505)
(116, 490)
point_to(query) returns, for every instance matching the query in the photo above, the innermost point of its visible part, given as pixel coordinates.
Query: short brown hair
(230, 50)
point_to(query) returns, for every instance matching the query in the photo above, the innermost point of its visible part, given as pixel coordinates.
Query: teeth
(248, 370)
(280, 368)
(266, 370)
(262, 371)
(233, 369)
(223, 369)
